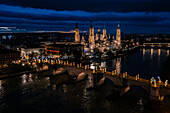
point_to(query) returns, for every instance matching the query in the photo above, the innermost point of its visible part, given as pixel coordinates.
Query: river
(34, 93)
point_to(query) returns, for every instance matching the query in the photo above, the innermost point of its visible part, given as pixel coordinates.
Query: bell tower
(118, 37)
(91, 33)
(77, 36)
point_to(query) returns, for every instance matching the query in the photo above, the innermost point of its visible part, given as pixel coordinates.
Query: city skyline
(139, 16)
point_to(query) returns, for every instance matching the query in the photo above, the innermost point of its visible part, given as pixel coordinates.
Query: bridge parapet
(157, 91)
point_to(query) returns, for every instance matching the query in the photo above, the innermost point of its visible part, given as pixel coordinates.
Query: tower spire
(118, 25)
(91, 23)
(77, 36)
(91, 33)
(76, 24)
(118, 37)
(104, 31)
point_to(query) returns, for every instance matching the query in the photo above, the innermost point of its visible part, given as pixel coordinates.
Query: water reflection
(24, 76)
(159, 52)
(30, 78)
(146, 62)
(91, 80)
(151, 53)
(64, 88)
(2, 91)
(118, 65)
(1, 84)
(144, 53)
(167, 52)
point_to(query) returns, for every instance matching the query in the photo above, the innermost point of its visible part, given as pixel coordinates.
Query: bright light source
(92, 67)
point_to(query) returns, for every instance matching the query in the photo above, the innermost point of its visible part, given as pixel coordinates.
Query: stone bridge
(156, 92)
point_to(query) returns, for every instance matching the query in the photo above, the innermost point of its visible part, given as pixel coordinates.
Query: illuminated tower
(104, 32)
(77, 36)
(118, 37)
(91, 33)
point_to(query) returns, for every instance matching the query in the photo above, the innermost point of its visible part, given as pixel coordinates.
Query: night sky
(135, 16)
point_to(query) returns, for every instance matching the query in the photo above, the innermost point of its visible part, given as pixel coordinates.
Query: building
(64, 49)
(104, 31)
(91, 33)
(100, 40)
(77, 36)
(118, 37)
(8, 55)
(25, 51)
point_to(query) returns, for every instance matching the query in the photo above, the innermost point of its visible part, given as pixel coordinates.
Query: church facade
(102, 41)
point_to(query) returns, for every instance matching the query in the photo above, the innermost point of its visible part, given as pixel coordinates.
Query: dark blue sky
(135, 16)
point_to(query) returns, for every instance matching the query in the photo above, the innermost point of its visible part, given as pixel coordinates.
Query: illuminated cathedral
(102, 41)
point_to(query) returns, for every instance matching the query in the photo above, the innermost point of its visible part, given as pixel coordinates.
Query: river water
(35, 93)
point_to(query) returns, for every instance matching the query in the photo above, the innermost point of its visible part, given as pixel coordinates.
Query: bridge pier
(96, 79)
(155, 94)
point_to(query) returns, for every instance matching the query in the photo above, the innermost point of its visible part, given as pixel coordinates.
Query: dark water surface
(146, 62)
(29, 94)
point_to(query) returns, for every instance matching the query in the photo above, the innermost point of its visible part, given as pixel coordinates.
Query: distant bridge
(156, 45)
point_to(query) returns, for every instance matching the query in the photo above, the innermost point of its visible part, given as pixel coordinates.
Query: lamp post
(154, 85)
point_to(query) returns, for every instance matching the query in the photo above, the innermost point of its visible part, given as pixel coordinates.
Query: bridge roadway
(156, 44)
(156, 93)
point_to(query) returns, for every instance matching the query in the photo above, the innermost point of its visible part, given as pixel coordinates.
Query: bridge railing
(153, 82)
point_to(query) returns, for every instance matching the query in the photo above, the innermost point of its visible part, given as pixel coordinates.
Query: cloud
(96, 5)
(38, 18)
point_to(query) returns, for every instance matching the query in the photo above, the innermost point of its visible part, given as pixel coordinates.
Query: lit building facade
(118, 37)
(77, 36)
(102, 41)
(8, 55)
(91, 33)
(104, 32)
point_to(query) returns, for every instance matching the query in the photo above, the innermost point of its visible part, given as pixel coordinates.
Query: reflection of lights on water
(30, 75)
(24, 76)
(64, 88)
(151, 53)
(143, 51)
(30, 79)
(54, 86)
(0, 84)
(159, 52)
(118, 65)
(91, 82)
(24, 81)
(167, 52)
(2, 91)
